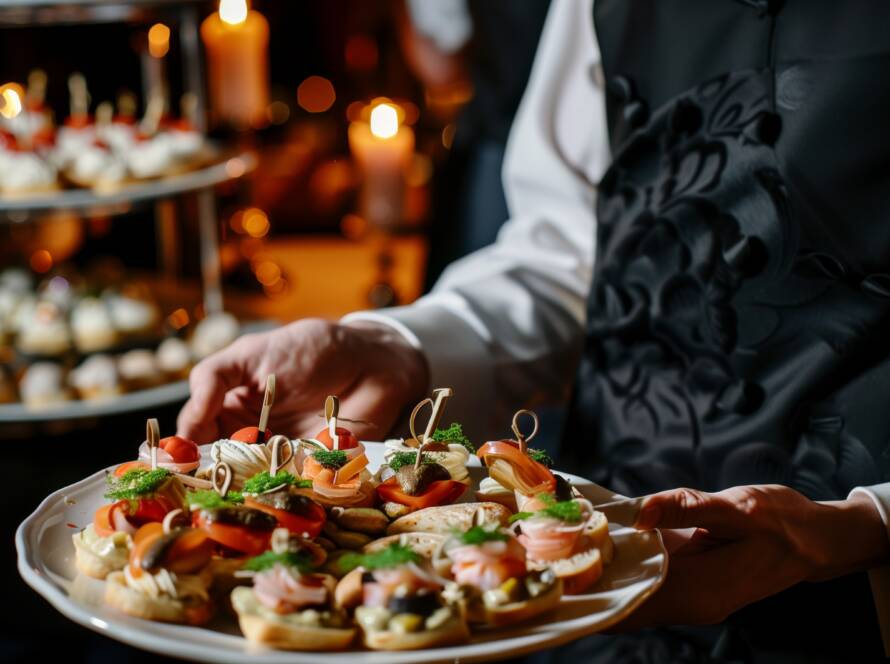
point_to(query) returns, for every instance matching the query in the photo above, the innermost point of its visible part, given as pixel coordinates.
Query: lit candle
(237, 40)
(382, 148)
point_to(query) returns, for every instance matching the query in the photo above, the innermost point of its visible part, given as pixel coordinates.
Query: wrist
(852, 537)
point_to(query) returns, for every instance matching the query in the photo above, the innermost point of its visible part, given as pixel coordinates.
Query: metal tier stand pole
(210, 266)
(193, 81)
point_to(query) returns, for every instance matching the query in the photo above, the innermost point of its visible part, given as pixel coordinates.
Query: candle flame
(12, 102)
(233, 12)
(384, 121)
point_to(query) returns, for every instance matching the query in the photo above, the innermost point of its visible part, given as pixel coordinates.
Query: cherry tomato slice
(125, 468)
(251, 542)
(181, 449)
(148, 510)
(347, 439)
(295, 523)
(443, 492)
(250, 435)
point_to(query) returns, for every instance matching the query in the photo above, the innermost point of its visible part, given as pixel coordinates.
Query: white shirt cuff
(879, 577)
(457, 358)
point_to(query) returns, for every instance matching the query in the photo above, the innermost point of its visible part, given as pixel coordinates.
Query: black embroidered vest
(739, 318)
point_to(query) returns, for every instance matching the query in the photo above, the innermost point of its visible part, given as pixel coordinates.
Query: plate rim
(541, 637)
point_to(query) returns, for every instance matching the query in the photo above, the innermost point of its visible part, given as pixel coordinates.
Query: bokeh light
(41, 261)
(316, 94)
(158, 40)
(233, 12)
(384, 121)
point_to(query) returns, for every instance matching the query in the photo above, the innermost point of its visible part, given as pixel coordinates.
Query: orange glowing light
(277, 112)
(268, 273)
(354, 111)
(384, 121)
(11, 95)
(448, 135)
(361, 53)
(353, 226)
(233, 12)
(316, 94)
(420, 171)
(158, 40)
(178, 319)
(41, 261)
(255, 222)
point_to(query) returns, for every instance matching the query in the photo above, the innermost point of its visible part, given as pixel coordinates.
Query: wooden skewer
(167, 523)
(104, 114)
(36, 93)
(331, 411)
(153, 436)
(520, 437)
(276, 443)
(441, 396)
(80, 97)
(223, 470)
(268, 400)
(413, 417)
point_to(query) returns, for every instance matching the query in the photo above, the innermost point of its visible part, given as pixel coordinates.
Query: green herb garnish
(211, 500)
(566, 510)
(135, 483)
(454, 434)
(392, 556)
(333, 459)
(481, 535)
(541, 456)
(400, 459)
(299, 559)
(263, 481)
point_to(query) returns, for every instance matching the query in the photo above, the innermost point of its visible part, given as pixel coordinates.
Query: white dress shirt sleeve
(880, 576)
(504, 326)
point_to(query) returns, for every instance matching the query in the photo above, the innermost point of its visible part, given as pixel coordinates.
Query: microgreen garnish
(263, 481)
(299, 559)
(211, 500)
(400, 459)
(392, 556)
(135, 483)
(454, 434)
(541, 456)
(333, 459)
(566, 510)
(481, 535)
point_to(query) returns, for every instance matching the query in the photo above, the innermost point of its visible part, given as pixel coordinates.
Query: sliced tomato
(297, 524)
(251, 435)
(190, 552)
(125, 468)
(102, 522)
(148, 510)
(347, 439)
(251, 542)
(515, 470)
(181, 449)
(443, 492)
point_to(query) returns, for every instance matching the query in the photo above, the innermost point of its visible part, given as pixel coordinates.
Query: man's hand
(735, 547)
(373, 370)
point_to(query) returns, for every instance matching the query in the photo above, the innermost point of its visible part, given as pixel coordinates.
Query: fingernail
(649, 516)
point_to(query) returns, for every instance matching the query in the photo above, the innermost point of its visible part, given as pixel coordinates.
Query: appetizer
(514, 467)
(246, 451)
(290, 605)
(140, 496)
(567, 536)
(491, 580)
(398, 601)
(446, 518)
(270, 492)
(237, 529)
(413, 480)
(335, 463)
(167, 577)
(96, 378)
(43, 385)
(452, 448)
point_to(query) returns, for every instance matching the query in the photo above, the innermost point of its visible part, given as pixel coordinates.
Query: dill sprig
(566, 510)
(454, 434)
(481, 535)
(135, 483)
(299, 559)
(400, 459)
(333, 459)
(263, 481)
(211, 500)
(541, 456)
(392, 556)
